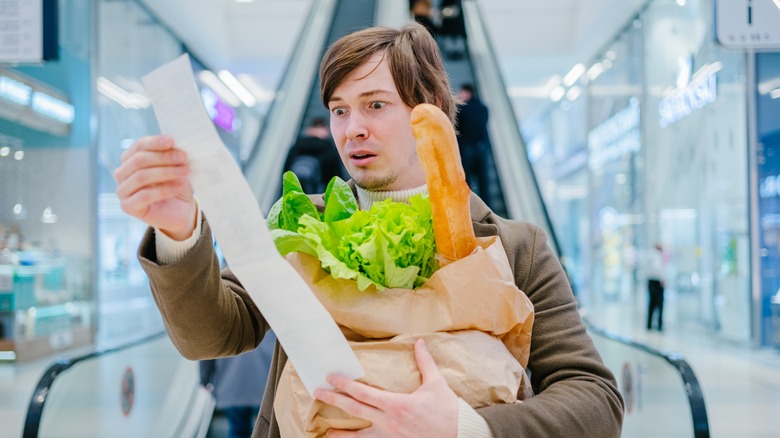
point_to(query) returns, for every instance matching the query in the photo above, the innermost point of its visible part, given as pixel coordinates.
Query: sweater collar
(367, 198)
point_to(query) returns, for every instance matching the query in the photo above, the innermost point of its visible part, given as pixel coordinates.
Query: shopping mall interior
(617, 127)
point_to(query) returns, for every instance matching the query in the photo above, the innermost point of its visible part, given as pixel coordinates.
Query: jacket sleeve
(576, 395)
(207, 313)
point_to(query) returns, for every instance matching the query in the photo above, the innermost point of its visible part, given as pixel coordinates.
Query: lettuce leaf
(390, 245)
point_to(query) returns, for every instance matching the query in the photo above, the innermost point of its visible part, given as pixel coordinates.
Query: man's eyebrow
(369, 93)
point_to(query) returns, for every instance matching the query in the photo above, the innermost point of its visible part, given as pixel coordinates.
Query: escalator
(147, 389)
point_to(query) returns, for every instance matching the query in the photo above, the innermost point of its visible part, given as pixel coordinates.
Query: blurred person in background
(314, 159)
(452, 30)
(422, 12)
(655, 287)
(471, 125)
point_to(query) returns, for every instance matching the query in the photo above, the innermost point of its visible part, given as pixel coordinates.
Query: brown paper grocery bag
(474, 299)
(476, 366)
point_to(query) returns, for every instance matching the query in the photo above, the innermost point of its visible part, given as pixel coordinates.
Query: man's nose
(356, 127)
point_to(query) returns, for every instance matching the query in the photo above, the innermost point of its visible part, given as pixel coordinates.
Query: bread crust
(437, 149)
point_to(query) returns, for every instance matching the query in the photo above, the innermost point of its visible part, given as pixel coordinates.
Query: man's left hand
(431, 410)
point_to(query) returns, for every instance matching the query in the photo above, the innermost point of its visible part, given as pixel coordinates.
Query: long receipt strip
(311, 338)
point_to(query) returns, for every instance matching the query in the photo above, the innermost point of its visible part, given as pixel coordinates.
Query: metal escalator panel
(145, 388)
(298, 96)
(519, 187)
(280, 126)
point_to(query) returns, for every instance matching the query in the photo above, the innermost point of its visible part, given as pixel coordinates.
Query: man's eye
(377, 105)
(338, 111)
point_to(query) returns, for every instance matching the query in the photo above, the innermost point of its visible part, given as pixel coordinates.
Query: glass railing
(522, 196)
(142, 389)
(662, 395)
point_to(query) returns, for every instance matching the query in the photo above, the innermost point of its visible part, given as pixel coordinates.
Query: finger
(143, 159)
(137, 205)
(151, 177)
(348, 404)
(364, 393)
(425, 362)
(151, 143)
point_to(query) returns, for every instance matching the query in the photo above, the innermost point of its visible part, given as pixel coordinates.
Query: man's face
(370, 125)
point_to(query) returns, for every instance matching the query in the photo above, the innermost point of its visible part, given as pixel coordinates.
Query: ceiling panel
(534, 39)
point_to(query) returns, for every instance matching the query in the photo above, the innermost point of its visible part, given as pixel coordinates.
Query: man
(370, 81)
(313, 158)
(473, 140)
(655, 287)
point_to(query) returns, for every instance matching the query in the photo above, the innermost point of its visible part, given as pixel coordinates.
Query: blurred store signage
(769, 187)
(615, 137)
(222, 114)
(748, 24)
(28, 31)
(692, 92)
(30, 103)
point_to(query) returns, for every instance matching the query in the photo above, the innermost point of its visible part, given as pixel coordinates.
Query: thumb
(425, 362)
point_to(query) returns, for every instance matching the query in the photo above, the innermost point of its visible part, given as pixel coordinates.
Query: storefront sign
(748, 24)
(615, 137)
(692, 93)
(769, 187)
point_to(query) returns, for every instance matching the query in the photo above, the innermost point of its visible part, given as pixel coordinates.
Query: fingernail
(179, 156)
(163, 140)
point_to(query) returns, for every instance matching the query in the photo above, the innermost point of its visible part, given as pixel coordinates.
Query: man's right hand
(152, 185)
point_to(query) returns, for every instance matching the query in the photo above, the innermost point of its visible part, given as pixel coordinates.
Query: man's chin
(375, 184)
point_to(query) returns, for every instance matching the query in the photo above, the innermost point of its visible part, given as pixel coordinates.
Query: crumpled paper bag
(475, 321)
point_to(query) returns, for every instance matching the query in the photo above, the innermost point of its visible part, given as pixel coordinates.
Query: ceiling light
(212, 81)
(237, 88)
(681, 2)
(573, 93)
(553, 82)
(595, 71)
(121, 96)
(573, 74)
(244, 1)
(557, 94)
(775, 94)
(258, 91)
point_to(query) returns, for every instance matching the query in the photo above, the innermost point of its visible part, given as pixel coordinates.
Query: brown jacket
(208, 314)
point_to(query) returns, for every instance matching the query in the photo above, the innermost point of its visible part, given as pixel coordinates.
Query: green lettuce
(390, 245)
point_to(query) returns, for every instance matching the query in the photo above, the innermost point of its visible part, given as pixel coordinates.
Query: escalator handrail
(514, 167)
(701, 426)
(38, 399)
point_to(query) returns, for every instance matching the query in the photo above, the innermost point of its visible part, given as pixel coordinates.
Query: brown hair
(413, 57)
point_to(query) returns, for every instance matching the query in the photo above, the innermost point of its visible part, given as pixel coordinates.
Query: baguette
(437, 149)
